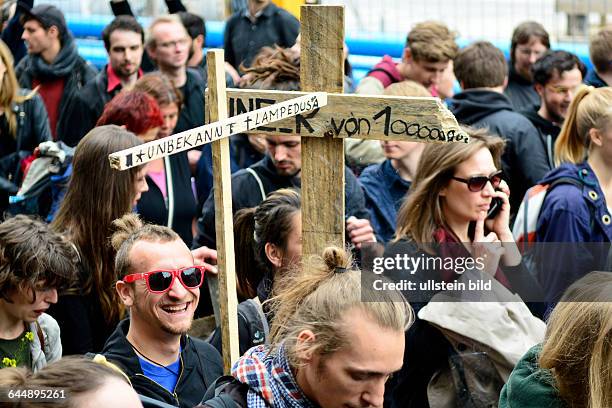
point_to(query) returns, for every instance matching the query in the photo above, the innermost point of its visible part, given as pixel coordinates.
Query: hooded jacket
(201, 365)
(70, 65)
(575, 215)
(524, 160)
(548, 132)
(520, 91)
(246, 193)
(530, 386)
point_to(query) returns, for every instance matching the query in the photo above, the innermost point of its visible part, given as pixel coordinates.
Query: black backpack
(252, 325)
(225, 392)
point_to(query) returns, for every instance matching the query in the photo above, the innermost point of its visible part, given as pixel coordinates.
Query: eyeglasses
(161, 281)
(173, 44)
(478, 183)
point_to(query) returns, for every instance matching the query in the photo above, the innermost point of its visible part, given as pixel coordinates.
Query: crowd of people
(103, 272)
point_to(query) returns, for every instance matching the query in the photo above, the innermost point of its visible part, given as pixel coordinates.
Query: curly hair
(274, 68)
(30, 253)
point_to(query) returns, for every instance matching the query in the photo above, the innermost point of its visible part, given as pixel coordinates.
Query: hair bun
(124, 227)
(336, 258)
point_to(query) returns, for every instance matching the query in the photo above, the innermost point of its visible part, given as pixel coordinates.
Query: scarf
(270, 380)
(61, 67)
(451, 247)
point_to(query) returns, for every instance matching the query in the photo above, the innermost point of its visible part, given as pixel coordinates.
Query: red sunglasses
(161, 281)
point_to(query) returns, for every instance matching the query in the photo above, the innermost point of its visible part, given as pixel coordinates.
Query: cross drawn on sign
(355, 116)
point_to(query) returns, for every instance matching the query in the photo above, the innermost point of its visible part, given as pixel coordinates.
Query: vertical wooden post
(322, 69)
(217, 106)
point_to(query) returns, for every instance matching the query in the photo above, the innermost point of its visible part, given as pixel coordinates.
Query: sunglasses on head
(161, 281)
(478, 183)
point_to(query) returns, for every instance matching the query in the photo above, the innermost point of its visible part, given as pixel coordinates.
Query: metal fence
(566, 20)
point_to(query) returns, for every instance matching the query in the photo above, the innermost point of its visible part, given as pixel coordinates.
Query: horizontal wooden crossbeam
(156, 149)
(421, 119)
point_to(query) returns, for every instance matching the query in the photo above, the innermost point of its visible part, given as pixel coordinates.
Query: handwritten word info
(195, 137)
(357, 116)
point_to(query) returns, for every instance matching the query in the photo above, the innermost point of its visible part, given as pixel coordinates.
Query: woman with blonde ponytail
(576, 208)
(335, 342)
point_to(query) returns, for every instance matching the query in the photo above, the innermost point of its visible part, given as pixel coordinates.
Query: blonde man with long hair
(23, 125)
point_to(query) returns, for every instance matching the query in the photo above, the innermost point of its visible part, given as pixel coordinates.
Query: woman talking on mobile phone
(457, 212)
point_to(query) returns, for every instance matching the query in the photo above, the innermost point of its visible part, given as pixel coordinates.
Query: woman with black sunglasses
(457, 213)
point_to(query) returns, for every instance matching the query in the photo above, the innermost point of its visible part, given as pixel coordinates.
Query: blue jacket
(384, 192)
(571, 214)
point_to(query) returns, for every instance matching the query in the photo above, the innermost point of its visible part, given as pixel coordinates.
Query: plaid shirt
(270, 380)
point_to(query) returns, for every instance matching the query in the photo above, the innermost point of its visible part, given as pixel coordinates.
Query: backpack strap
(259, 183)
(384, 71)
(525, 222)
(41, 336)
(251, 311)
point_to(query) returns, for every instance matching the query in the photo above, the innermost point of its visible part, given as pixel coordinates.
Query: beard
(154, 320)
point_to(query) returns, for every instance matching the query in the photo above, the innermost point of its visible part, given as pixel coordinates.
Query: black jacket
(243, 39)
(548, 132)
(32, 129)
(521, 92)
(246, 194)
(192, 112)
(524, 160)
(155, 209)
(32, 125)
(80, 73)
(201, 365)
(91, 101)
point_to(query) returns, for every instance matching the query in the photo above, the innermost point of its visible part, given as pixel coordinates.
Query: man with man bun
(335, 342)
(160, 285)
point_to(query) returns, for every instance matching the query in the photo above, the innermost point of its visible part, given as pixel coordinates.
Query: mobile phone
(495, 207)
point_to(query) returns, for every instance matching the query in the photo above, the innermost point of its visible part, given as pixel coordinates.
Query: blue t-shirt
(166, 376)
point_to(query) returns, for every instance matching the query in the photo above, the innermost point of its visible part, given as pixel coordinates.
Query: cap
(48, 15)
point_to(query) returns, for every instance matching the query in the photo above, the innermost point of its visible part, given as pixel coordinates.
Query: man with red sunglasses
(160, 286)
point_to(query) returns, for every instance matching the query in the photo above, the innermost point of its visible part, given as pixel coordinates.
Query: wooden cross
(355, 116)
